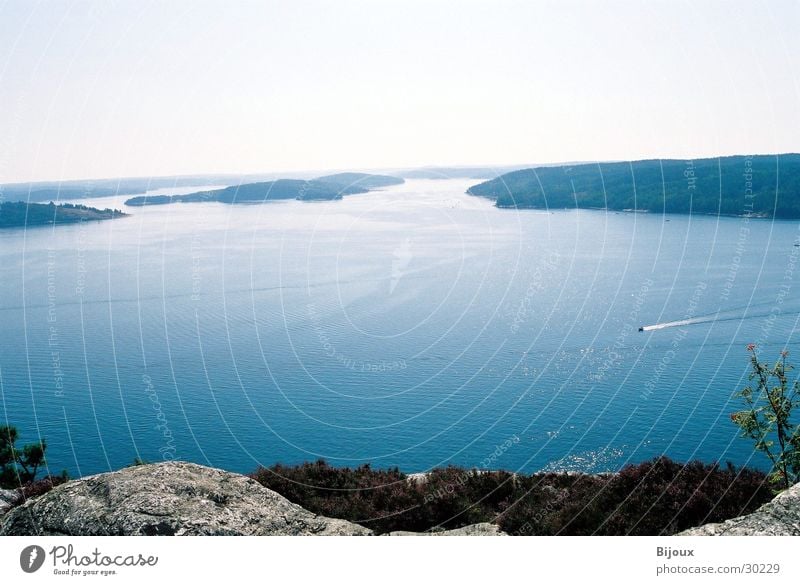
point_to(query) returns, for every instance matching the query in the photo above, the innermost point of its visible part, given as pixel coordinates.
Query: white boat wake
(728, 315)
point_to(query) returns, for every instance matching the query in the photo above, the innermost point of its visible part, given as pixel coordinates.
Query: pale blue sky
(135, 88)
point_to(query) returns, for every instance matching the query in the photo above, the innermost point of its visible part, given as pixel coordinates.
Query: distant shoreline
(29, 215)
(643, 211)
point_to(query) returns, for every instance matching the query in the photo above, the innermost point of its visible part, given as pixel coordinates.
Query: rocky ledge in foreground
(780, 517)
(174, 498)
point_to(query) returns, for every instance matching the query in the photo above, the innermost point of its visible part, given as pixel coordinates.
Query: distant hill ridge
(365, 180)
(324, 188)
(45, 191)
(759, 185)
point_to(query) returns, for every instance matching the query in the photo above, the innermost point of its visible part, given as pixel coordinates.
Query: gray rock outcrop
(480, 529)
(7, 499)
(780, 517)
(171, 499)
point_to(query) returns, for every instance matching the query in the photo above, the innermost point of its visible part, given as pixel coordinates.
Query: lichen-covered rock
(169, 498)
(780, 517)
(7, 500)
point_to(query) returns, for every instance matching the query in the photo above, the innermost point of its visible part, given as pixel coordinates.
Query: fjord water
(415, 326)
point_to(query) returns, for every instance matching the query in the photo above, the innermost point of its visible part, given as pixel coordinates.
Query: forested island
(760, 186)
(324, 188)
(21, 214)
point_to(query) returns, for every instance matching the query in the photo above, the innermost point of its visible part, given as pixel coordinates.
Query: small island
(745, 185)
(21, 214)
(326, 188)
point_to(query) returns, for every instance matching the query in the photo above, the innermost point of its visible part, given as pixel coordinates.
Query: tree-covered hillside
(20, 214)
(762, 185)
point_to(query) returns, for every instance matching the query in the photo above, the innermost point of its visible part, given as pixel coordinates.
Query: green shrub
(767, 417)
(18, 466)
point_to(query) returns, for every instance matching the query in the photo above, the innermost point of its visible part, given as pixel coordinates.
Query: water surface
(415, 326)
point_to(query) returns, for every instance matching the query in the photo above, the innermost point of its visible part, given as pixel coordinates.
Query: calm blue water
(415, 326)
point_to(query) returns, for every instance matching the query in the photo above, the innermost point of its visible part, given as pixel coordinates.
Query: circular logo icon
(31, 558)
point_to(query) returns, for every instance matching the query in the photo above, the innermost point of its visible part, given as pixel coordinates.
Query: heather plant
(770, 401)
(654, 497)
(663, 497)
(383, 500)
(39, 487)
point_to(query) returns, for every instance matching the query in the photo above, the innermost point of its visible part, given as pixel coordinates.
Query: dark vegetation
(38, 487)
(325, 189)
(19, 467)
(763, 186)
(655, 497)
(21, 214)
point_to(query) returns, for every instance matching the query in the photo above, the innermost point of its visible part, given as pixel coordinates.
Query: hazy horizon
(311, 173)
(93, 90)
